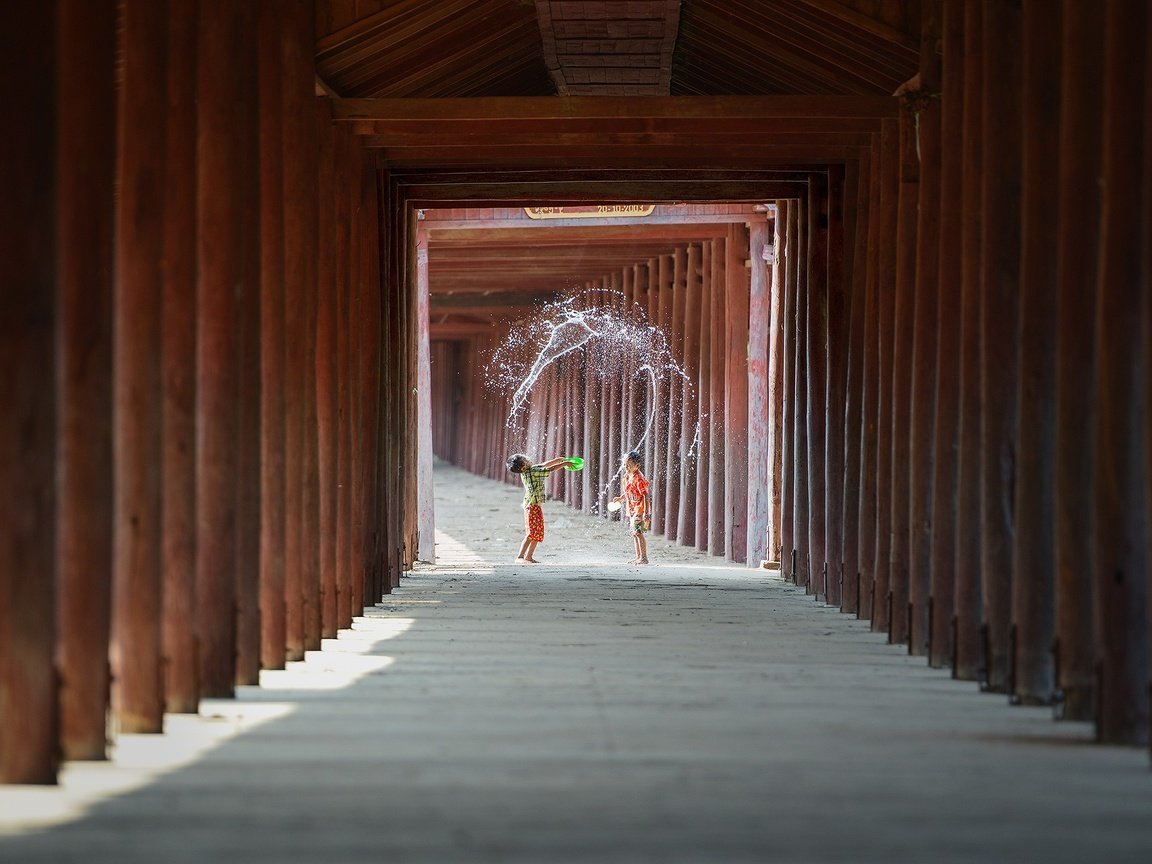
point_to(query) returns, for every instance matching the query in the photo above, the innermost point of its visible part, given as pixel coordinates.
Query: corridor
(587, 711)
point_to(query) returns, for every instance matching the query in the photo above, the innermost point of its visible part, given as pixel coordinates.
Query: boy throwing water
(639, 504)
(533, 478)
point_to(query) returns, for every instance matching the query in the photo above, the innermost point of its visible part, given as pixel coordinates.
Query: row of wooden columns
(199, 391)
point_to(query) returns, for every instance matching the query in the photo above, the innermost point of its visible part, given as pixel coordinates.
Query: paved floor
(583, 711)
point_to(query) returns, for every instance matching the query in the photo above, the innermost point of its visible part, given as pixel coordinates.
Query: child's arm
(556, 463)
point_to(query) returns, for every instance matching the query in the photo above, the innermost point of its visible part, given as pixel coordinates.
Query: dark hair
(516, 462)
(635, 455)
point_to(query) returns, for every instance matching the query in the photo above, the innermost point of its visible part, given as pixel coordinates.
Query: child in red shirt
(639, 504)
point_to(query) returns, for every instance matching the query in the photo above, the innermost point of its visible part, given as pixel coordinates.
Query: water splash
(609, 339)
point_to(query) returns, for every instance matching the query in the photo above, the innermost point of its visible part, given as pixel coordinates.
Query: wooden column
(661, 268)
(28, 312)
(736, 286)
(1119, 507)
(346, 169)
(86, 162)
(776, 389)
(298, 151)
(924, 336)
(870, 384)
(675, 454)
(1033, 594)
(801, 569)
(903, 323)
(785, 216)
(759, 384)
(327, 397)
(245, 89)
(816, 350)
(716, 403)
(948, 313)
(689, 401)
(1081, 134)
(967, 644)
(836, 355)
(886, 305)
(273, 638)
(1000, 288)
(424, 389)
(703, 391)
(137, 676)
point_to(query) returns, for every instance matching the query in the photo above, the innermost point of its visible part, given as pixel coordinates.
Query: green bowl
(578, 466)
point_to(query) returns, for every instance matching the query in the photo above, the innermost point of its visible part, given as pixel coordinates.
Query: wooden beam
(838, 9)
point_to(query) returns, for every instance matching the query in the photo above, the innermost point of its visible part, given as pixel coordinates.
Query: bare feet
(521, 561)
(531, 561)
(642, 561)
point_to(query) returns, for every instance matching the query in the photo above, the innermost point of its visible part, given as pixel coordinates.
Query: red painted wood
(716, 404)
(999, 328)
(28, 313)
(327, 407)
(800, 505)
(661, 270)
(673, 455)
(760, 449)
(870, 401)
(776, 388)
(1081, 133)
(690, 401)
(836, 382)
(346, 170)
(736, 292)
(785, 256)
(86, 165)
(703, 391)
(1033, 589)
(817, 350)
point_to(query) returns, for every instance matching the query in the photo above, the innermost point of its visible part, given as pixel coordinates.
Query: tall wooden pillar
(219, 271)
(28, 312)
(181, 658)
(787, 338)
(903, 323)
(1033, 589)
(245, 91)
(703, 395)
(690, 401)
(716, 403)
(836, 358)
(924, 342)
(967, 647)
(674, 455)
(299, 155)
(1081, 134)
(660, 269)
(137, 690)
(1119, 506)
(886, 306)
(272, 343)
(86, 164)
(736, 393)
(759, 387)
(801, 570)
(346, 168)
(816, 350)
(326, 395)
(424, 392)
(1000, 287)
(870, 384)
(942, 586)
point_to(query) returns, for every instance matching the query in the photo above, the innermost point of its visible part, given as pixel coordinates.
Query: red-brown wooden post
(801, 570)
(817, 379)
(28, 311)
(660, 475)
(1000, 287)
(922, 409)
(427, 525)
(613, 384)
(776, 379)
(886, 305)
(736, 286)
(181, 661)
(273, 639)
(967, 644)
(86, 160)
(760, 446)
(948, 313)
(1033, 594)
(871, 385)
(219, 271)
(836, 357)
(1119, 507)
(312, 562)
(785, 215)
(245, 89)
(137, 677)
(902, 360)
(674, 454)
(299, 149)
(326, 362)
(1081, 134)
(346, 167)
(716, 404)
(689, 401)
(704, 388)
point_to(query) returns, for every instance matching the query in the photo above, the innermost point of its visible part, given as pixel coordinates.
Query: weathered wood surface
(736, 291)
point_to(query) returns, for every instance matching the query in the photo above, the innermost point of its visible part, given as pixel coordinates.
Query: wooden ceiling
(490, 103)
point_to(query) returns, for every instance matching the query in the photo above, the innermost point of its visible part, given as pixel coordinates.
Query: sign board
(591, 211)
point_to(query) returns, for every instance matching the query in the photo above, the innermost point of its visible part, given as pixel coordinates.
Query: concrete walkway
(582, 711)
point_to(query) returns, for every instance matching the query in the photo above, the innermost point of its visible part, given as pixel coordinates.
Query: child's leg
(524, 552)
(641, 549)
(530, 553)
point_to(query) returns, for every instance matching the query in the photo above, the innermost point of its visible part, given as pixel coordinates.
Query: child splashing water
(635, 495)
(534, 496)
